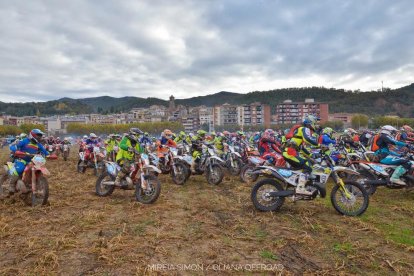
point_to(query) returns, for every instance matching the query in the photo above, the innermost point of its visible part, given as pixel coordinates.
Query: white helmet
(388, 130)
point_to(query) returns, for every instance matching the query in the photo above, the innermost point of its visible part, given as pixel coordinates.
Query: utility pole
(382, 86)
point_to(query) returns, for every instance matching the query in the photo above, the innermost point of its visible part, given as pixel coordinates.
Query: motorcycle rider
(197, 142)
(406, 134)
(30, 145)
(181, 138)
(296, 153)
(145, 139)
(388, 157)
(50, 140)
(326, 137)
(91, 142)
(127, 148)
(268, 144)
(219, 143)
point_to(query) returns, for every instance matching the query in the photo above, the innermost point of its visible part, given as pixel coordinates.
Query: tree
(359, 120)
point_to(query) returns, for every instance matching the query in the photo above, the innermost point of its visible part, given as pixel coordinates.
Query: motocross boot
(395, 177)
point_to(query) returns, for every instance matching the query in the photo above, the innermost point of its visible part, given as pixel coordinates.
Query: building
(190, 123)
(346, 118)
(290, 112)
(172, 104)
(225, 114)
(205, 116)
(255, 114)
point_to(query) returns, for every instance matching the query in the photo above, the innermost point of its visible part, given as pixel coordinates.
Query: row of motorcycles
(58, 149)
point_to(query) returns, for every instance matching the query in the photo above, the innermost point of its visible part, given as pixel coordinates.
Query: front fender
(153, 168)
(345, 170)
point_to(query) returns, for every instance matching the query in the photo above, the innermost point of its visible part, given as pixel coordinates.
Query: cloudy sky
(54, 49)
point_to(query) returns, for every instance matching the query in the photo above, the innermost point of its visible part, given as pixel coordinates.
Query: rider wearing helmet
(268, 142)
(125, 156)
(181, 138)
(50, 140)
(30, 145)
(219, 143)
(388, 157)
(167, 138)
(197, 141)
(145, 139)
(296, 153)
(326, 138)
(406, 134)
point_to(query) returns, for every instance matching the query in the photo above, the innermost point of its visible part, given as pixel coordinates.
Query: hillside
(391, 102)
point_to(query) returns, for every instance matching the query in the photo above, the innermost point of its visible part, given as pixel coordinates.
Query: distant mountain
(390, 102)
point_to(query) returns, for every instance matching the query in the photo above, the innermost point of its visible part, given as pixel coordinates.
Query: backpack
(373, 142)
(291, 132)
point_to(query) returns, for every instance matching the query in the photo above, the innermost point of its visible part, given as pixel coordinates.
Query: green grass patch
(268, 255)
(345, 247)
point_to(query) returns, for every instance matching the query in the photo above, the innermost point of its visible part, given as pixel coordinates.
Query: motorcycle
(179, 171)
(66, 151)
(374, 175)
(58, 149)
(347, 197)
(255, 161)
(232, 160)
(211, 165)
(113, 153)
(32, 185)
(94, 160)
(142, 177)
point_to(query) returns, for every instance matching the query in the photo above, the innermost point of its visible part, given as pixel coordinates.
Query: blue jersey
(26, 145)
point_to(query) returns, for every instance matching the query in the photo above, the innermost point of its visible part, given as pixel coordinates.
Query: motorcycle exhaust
(282, 193)
(108, 183)
(377, 182)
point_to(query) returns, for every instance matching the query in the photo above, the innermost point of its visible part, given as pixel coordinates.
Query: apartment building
(243, 115)
(346, 118)
(290, 112)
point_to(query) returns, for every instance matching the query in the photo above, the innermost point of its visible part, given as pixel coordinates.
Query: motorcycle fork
(341, 184)
(33, 180)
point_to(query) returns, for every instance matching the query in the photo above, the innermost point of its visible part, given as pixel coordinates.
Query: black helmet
(135, 131)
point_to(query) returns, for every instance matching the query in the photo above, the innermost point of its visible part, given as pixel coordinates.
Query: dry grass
(80, 233)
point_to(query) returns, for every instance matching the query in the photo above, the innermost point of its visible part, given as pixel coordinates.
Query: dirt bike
(142, 177)
(66, 151)
(50, 149)
(58, 149)
(113, 153)
(179, 170)
(255, 161)
(233, 161)
(348, 198)
(94, 160)
(373, 175)
(211, 165)
(32, 185)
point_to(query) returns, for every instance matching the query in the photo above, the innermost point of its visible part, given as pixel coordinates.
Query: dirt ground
(198, 229)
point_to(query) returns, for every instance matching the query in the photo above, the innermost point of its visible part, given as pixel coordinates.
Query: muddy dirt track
(198, 229)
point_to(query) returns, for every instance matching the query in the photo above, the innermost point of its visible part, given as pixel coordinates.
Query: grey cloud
(53, 49)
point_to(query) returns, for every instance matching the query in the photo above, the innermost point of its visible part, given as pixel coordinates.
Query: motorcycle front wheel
(355, 205)
(41, 195)
(151, 193)
(214, 174)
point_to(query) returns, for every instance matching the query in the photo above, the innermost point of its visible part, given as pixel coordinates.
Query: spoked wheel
(234, 167)
(353, 201)
(81, 166)
(246, 174)
(40, 196)
(4, 180)
(179, 177)
(100, 188)
(214, 174)
(65, 156)
(151, 193)
(98, 169)
(260, 195)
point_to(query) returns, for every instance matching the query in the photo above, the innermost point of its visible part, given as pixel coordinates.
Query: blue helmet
(36, 135)
(310, 121)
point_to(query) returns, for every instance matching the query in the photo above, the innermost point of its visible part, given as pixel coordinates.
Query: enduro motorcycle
(50, 149)
(66, 151)
(373, 175)
(179, 171)
(143, 177)
(233, 160)
(347, 197)
(246, 174)
(95, 160)
(211, 165)
(113, 153)
(58, 149)
(32, 185)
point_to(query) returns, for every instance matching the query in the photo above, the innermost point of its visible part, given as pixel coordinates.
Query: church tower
(172, 103)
